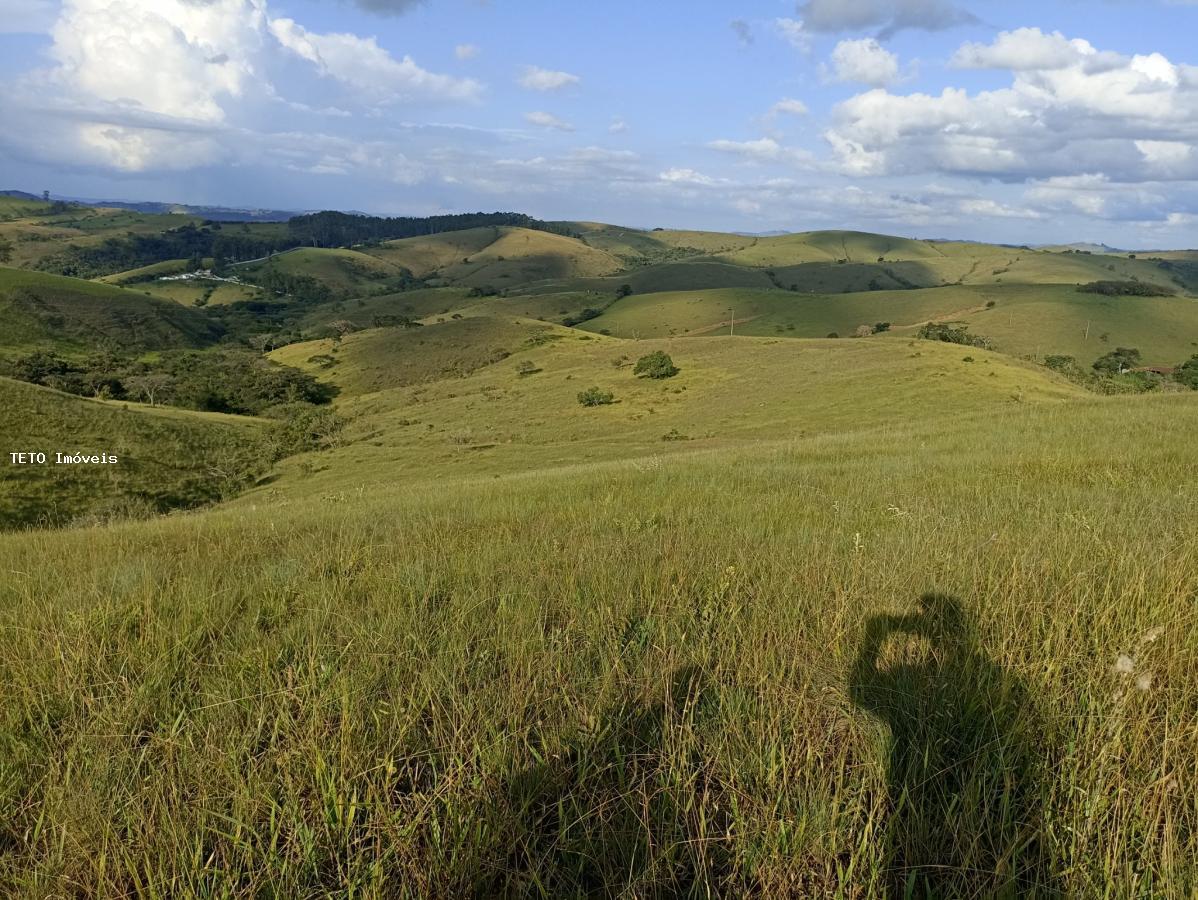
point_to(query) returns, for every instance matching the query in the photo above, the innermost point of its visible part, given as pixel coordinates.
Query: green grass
(1025, 321)
(812, 618)
(51, 312)
(168, 459)
(650, 677)
(382, 358)
(347, 273)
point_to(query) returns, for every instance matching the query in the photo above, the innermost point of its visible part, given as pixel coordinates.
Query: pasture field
(665, 671)
(808, 617)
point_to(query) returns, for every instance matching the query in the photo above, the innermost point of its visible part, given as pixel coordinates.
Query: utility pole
(732, 323)
(1087, 329)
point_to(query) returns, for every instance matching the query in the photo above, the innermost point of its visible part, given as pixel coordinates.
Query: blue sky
(1017, 122)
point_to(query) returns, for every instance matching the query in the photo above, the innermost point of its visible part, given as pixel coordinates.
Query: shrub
(1126, 289)
(940, 331)
(655, 365)
(881, 327)
(584, 316)
(1117, 361)
(527, 367)
(1188, 373)
(594, 396)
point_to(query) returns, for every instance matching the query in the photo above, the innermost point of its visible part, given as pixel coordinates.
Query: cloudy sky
(1012, 121)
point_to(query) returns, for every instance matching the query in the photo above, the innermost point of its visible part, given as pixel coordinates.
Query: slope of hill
(1021, 320)
(625, 660)
(732, 392)
(502, 257)
(382, 358)
(347, 273)
(167, 459)
(52, 312)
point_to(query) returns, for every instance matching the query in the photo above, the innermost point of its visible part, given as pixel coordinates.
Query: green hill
(43, 311)
(382, 358)
(168, 459)
(347, 273)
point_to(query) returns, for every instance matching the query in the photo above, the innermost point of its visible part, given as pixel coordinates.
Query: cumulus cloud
(1132, 118)
(1029, 49)
(362, 64)
(789, 107)
(465, 51)
(864, 61)
(547, 120)
(534, 78)
(891, 16)
(617, 126)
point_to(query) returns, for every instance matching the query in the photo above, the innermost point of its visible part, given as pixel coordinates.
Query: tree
(623, 291)
(149, 387)
(1117, 361)
(1188, 373)
(880, 327)
(655, 365)
(593, 396)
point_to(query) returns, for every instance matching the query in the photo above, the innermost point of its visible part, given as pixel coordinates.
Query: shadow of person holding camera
(966, 759)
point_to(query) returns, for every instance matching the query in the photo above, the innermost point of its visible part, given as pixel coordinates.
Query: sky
(1016, 121)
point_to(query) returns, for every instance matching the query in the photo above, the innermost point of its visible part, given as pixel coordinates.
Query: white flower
(1125, 665)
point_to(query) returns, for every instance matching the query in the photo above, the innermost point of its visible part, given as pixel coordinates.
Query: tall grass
(703, 675)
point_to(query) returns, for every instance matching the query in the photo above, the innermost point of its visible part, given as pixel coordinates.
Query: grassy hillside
(730, 393)
(810, 618)
(1023, 321)
(497, 257)
(168, 459)
(647, 675)
(51, 312)
(346, 272)
(382, 358)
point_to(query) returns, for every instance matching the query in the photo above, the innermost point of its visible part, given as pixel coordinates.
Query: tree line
(336, 229)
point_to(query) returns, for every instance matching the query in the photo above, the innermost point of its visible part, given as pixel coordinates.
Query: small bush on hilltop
(1126, 289)
(655, 365)
(941, 331)
(594, 396)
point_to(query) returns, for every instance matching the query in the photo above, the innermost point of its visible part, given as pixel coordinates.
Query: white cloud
(547, 120)
(864, 61)
(362, 64)
(1131, 118)
(1024, 49)
(983, 207)
(788, 106)
(466, 51)
(687, 176)
(617, 126)
(762, 150)
(535, 78)
(794, 33)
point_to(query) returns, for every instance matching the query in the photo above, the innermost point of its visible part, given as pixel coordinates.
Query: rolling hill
(168, 459)
(53, 312)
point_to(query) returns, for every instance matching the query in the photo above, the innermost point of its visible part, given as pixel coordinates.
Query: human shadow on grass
(967, 761)
(632, 810)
